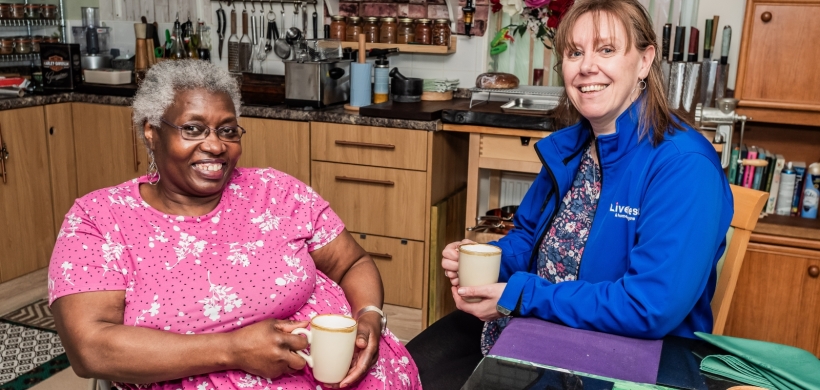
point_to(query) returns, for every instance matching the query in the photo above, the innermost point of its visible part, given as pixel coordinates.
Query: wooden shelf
(408, 48)
(795, 227)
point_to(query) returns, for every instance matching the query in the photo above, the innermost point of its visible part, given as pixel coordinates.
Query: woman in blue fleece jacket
(622, 228)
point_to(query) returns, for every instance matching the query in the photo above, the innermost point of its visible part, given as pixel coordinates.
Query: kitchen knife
(221, 24)
(726, 41)
(667, 36)
(233, 46)
(315, 23)
(245, 47)
(707, 41)
(677, 51)
(693, 45)
(715, 25)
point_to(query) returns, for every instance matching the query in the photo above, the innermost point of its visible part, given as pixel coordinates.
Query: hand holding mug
(266, 348)
(449, 260)
(332, 339)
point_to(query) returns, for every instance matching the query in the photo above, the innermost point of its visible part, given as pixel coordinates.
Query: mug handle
(308, 358)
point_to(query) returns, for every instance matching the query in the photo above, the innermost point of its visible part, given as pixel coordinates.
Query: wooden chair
(748, 204)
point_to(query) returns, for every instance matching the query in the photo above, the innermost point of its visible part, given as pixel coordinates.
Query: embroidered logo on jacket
(626, 212)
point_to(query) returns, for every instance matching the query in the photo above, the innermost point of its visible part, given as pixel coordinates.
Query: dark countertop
(335, 114)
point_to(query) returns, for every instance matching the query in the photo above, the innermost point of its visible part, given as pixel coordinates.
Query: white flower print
(220, 300)
(267, 221)
(551, 267)
(187, 245)
(237, 257)
(127, 201)
(153, 310)
(51, 285)
(111, 251)
(251, 381)
(161, 237)
(72, 221)
(235, 188)
(301, 198)
(378, 370)
(203, 386)
(66, 266)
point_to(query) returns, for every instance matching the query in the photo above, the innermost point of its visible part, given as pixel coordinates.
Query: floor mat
(30, 350)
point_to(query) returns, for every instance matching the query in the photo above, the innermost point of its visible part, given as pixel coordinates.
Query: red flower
(557, 10)
(496, 5)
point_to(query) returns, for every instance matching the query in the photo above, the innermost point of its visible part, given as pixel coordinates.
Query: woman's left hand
(369, 333)
(486, 308)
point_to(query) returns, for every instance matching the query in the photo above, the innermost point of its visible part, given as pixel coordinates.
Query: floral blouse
(560, 253)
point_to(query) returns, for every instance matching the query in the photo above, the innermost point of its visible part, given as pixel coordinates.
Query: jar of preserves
(371, 29)
(22, 45)
(6, 46)
(5, 11)
(33, 11)
(49, 11)
(51, 40)
(35, 43)
(406, 32)
(424, 31)
(387, 32)
(18, 11)
(338, 27)
(354, 28)
(441, 32)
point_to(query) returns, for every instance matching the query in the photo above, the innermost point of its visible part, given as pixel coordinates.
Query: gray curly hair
(166, 78)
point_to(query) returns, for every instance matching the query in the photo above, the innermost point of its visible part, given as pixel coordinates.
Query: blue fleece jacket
(648, 268)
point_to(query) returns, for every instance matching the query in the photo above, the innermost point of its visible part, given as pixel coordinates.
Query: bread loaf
(496, 81)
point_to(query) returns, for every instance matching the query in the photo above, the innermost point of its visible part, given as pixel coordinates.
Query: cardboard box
(107, 76)
(60, 66)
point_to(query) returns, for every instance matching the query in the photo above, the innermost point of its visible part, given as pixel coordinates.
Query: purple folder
(583, 351)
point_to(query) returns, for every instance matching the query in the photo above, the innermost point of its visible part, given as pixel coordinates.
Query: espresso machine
(93, 39)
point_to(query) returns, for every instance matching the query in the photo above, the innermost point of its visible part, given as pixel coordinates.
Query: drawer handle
(370, 181)
(814, 271)
(382, 255)
(365, 144)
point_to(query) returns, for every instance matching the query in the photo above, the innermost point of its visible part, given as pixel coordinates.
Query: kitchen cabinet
(777, 62)
(26, 219)
(777, 297)
(383, 183)
(107, 149)
(61, 161)
(282, 145)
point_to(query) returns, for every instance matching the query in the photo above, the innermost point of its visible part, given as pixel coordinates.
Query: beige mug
(332, 339)
(478, 265)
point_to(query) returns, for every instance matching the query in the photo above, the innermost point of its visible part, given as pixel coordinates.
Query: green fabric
(729, 234)
(763, 364)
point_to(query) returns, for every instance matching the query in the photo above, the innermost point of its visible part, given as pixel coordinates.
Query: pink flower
(536, 3)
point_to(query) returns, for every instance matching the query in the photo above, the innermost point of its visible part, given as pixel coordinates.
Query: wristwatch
(377, 310)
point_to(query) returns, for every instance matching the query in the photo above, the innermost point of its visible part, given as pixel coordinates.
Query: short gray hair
(165, 79)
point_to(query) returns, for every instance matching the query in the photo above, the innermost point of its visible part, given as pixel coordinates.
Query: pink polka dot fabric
(246, 261)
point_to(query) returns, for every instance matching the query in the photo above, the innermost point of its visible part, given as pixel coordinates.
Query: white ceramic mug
(332, 339)
(478, 265)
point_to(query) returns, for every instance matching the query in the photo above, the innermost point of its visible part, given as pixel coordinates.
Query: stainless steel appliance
(317, 83)
(93, 40)
(722, 121)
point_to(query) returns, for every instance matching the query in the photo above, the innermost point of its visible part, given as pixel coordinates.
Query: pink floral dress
(246, 261)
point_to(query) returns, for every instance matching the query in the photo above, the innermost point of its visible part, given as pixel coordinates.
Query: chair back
(748, 205)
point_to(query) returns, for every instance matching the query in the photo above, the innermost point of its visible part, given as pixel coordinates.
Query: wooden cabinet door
(776, 298)
(282, 145)
(61, 161)
(779, 56)
(401, 266)
(26, 219)
(108, 151)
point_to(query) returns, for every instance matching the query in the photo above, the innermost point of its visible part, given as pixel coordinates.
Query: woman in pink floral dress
(193, 276)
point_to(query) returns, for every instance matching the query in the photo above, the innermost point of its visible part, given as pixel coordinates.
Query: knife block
(683, 93)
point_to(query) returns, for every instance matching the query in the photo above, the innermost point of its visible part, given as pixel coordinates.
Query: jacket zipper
(554, 192)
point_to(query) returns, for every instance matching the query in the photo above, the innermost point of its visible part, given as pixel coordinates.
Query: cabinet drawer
(400, 266)
(387, 202)
(508, 148)
(363, 145)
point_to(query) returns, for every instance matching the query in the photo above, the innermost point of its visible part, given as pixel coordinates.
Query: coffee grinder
(93, 40)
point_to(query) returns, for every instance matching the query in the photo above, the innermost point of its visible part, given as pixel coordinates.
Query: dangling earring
(152, 172)
(641, 86)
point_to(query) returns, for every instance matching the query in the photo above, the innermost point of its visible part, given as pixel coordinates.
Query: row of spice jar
(24, 44)
(30, 11)
(386, 30)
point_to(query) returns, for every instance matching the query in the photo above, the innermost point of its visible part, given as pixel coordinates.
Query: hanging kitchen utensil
(315, 23)
(282, 19)
(245, 46)
(295, 23)
(304, 20)
(233, 45)
(222, 25)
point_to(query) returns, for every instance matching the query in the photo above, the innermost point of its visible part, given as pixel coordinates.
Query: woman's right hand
(267, 348)
(449, 260)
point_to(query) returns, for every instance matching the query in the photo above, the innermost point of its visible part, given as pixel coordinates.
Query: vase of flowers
(539, 17)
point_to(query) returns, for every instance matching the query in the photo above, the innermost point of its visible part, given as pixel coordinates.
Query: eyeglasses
(199, 132)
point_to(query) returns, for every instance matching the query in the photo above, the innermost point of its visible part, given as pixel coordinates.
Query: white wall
(731, 14)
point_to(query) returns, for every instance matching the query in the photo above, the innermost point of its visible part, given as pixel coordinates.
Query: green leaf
(521, 29)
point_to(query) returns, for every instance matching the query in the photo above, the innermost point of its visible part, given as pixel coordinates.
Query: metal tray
(529, 106)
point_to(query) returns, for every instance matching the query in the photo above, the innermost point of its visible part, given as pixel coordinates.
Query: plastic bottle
(811, 192)
(381, 80)
(784, 194)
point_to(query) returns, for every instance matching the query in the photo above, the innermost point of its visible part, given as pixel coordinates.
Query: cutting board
(419, 111)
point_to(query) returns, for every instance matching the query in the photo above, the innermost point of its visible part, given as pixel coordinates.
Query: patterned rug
(30, 350)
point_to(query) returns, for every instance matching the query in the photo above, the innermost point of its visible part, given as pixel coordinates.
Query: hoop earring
(152, 172)
(640, 87)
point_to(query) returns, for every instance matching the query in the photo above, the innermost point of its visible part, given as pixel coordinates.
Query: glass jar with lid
(35, 43)
(49, 11)
(406, 32)
(18, 11)
(5, 11)
(441, 32)
(33, 11)
(424, 31)
(22, 45)
(338, 27)
(371, 29)
(354, 28)
(387, 32)
(6, 45)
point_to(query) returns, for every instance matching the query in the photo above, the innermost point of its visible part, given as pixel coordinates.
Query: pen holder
(684, 88)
